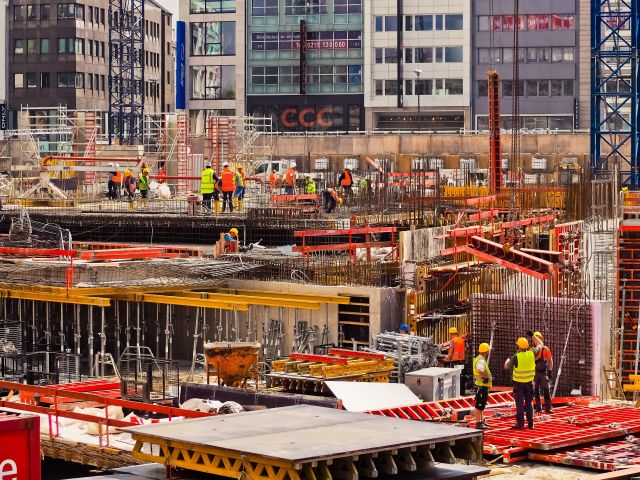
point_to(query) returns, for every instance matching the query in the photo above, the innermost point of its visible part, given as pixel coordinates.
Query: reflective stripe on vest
(480, 381)
(458, 350)
(526, 369)
(206, 181)
(346, 181)
(289, 177)
(228, 184)
(143, 182)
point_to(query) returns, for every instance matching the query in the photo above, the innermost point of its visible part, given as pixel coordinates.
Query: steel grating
(505, 318)
(602, 456)
(303, 443)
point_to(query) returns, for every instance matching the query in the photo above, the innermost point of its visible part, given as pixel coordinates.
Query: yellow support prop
(54, 298)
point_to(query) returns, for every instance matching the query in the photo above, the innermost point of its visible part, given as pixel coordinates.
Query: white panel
(365, 396)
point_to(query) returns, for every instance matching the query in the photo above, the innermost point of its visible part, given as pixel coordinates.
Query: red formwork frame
(19, 446)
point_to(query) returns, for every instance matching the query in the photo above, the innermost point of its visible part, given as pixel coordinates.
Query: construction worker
(129, 183)
(231, 240)
(544, 365)
(117, 181)
(456, 355)
(404, 329)
(346, 182)
(111, 184)
(523, 364)
(290, 179)
(143, 185)
(309, 184)
(228, 185)
(363, 187)
(208, 181)
(239, 182)
(273, 180)
(483, 382)
(331, 200)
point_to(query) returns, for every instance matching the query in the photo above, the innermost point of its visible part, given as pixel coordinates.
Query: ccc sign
(306, 117)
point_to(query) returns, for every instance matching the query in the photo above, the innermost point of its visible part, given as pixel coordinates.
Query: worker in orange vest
(272, 181)
(117, 181)
(290, 179)
(228, 184)
(346, 182)
(456, 355)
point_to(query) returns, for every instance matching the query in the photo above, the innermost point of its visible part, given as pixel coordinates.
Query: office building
(59, 55)
(3, 52)
(554, 60)
(417, 59)
(305, 64)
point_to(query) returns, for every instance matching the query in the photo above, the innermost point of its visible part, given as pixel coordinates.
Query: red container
(19, 446)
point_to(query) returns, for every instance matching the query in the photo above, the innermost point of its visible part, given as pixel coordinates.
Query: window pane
(543, 88)
(18, 47)
(483, 23)
(378, 53)
(408, 87)
(379, 87)
(567, 87)
(483, 88)
(408, 23)
(531, 88)
(390, 87)
(45, 12)
(453, 86)
(18, 80)
(379, 26)
(390, 23)
(424, 22)
(44, 45)
(556, 88)
(453, 22)
(438, 54)
(453, 54)
(438, 22)
(390, 55)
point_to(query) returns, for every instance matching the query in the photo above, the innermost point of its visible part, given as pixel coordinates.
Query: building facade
(215, 47)
(305, 64)
(554, 60)
(417, 57)
(59, 55)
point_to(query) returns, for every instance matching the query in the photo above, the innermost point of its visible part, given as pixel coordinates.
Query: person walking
(208, 180)
(228, 185)
(483, 382)
(523, 364)
(544, 365)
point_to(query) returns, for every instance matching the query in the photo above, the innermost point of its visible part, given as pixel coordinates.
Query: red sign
(306, 117)
(20, 449)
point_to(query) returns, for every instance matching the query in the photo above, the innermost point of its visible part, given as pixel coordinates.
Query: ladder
(221, 141)
(90, 133)
(180, 149)
(614, 386)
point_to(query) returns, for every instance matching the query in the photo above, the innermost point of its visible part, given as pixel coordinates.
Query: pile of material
(416, 352)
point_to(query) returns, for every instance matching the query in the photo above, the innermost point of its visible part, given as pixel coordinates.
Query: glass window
(18, 80)
(543, 88)
(32, 80)
(483, 88)
(483, 23)
(408, 23)
(390, 23)
(213, 38)
(45, 11)
(32, 46)
(408, 55)
(453, 54)
(18, 46)
(212, 6)
(390, 55)
(531, 88)
(379, 86)
(453, 22)
(567, 54)
(556, 88)
(44, 45)
(347, 6)
(424, 87)
(355, 74)
(438, 22)
(66, 79)
(567, 88)
(423, 23)
(379, 24)
(438, 54)
(79, 12)
(44, 80)
(213, 82)
(390, 87)
(264, 8)
(32, 13)
(379, 54)
(18, 12)
(305, 7)
(408, 87)
(453, 86)
(423, 55)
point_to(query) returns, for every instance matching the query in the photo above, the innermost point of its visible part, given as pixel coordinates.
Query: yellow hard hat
(234, 231)
(523, 343)
(340, 201)
(537, 334)
(145, 170)
(453, 330)
(240, 167)
(127, 172)
(484, 348)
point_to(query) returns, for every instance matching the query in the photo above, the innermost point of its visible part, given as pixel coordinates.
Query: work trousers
(113, 189)
(329, 202)
(523, 395)
(288, 189)
(239, 192)
(206, 200)
(463, 376)
(227, 197)
(541, 385)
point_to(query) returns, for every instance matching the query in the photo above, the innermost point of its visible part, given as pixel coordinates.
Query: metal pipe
(103, 341)
(623, 313)
(90, 340)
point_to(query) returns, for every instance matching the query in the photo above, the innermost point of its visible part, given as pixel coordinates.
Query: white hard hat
(307, 175)
(225, 164)
(293, 164)
(117, 165)
(110, 164)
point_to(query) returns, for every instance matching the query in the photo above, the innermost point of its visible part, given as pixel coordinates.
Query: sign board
(181, 66)
(20, 448)
(4, 113)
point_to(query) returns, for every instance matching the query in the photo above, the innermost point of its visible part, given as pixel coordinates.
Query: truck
(263, 169)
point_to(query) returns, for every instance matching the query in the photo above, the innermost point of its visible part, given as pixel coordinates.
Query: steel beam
(54, 297)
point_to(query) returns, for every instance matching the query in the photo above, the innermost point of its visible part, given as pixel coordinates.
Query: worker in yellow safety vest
(309, 184)
(523, 364)
(239, 181)
(483, 382)
(208, 180)
(143, 185)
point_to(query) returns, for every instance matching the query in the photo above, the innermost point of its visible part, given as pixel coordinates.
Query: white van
(263, 169)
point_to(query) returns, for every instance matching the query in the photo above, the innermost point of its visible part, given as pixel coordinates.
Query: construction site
(242, 303)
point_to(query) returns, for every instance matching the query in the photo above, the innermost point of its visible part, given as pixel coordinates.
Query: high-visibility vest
(458, 350)
(289, 178)
(130, 183)
(143, 182)
(311, 187)
(117, 178)
(228, 183)
(346, 181)
(334, 194)
(206, 181)
(480, 381)
(526, 369)
(239, 179)
(541, 362)
(272, 179)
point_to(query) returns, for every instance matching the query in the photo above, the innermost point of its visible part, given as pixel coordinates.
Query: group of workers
(126, 183)
(229, 184)
(531, 368)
